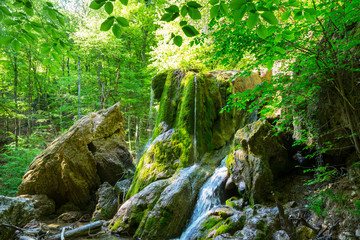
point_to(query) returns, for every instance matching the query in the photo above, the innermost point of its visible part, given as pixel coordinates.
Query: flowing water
(209, 197)
(195, 83)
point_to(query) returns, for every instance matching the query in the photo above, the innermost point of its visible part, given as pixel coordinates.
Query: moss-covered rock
(161, 209)
(259, 157)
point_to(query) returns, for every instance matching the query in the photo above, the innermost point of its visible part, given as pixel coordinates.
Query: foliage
(13, 166)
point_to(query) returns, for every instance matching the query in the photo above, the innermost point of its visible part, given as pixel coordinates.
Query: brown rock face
(74, 165)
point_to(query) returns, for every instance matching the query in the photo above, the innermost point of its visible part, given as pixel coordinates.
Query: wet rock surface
(107, 202)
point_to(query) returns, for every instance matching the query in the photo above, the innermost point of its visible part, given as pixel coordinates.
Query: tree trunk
(16, 131)
(79, 88)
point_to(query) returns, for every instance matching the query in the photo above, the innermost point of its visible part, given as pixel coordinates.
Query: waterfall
(209, 197)
(195, 84)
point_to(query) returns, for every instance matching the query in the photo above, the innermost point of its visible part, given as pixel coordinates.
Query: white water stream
(195, 84)
(209, 197)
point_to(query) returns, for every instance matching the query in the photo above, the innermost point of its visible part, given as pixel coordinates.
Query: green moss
(158, 83)
(210, 223)
(231, 227)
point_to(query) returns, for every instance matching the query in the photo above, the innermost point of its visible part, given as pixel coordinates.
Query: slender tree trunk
(129, 132)
(79, 88)
(16, 131)
(29, 130)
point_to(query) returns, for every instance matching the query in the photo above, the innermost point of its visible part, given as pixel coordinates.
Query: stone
(14, 211)
(305, 233)
(42, 204)
(73, 166)
(281, 235)
(357, 233)
(289, 205)
(121, 189)
(130, 214)
(107, 203)
(69, 217)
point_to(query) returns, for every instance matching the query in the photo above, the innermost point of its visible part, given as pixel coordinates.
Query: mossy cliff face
(176, 91)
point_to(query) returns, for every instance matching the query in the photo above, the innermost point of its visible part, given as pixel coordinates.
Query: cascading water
(195, 84)
(209, 197)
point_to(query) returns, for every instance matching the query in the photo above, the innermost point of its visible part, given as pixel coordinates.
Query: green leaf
(45, 48)
(6, 40)
(94, 5)
(28, 4)
(107, 24)
(29, 11)
(36, 24)
(122, 21)
(239, 14)
(277, 38)
(5, 11)
(184, 11)
(194, 13)
(224, 8)
(183, 23)
(116, 31)
(190, 31)
(166, 17)
(262, 31)
(214, 11)
(289, 36)
(174, 16)
(172, 9)
(109, 7)
(252, 20)
(237, 4)
(269, 17)
(61, 20)
(213, 2)
(285, 16)
(49, 4)
(16, 45)
(280, 50)
(1, 16)
(52, 14)
(194, 4)
(309, 17)
(270, 64)
(55, 56)
(57, 49)
(178, 41)
(310, 11)
(125, 2)
(298, 14)
(9, 22)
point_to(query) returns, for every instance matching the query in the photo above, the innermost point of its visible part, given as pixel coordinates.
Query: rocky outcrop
(16, 212)
(161, 209)
(260, 156)
(92, 151)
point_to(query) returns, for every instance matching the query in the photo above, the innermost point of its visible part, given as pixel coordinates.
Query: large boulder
(16, 212)
(161, 209)
(71, 169)
(260, 156)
